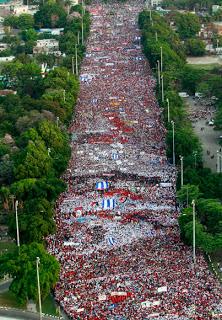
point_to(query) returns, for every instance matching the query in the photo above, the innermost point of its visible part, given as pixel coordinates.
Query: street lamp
(194, 235)
(162, 88)
(156, 36)
(181, 169)
(161, 59)
(38, 283)
(76, 55)
(57, 121)
(168, 110)
(17, 225)
(158, 70)
(195, 159)
(173, 126)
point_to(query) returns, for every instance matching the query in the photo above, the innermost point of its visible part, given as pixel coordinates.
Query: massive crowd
(117, 234)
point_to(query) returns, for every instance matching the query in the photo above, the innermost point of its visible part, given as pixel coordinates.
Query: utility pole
(64, 95)
(73, 67)
(194, 235)
(156, 36)
(181, 170)
(162, 88)
(39, 291)
(195, 159)
(168, 110)
(57, 121)
(82, 26)
(78, 38)
(77, 71)
(150, 15)
(158, 70)
(173, 128)
(161, 59)
(17, 225)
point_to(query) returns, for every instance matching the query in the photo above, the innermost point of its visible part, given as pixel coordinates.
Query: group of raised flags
(107, 204)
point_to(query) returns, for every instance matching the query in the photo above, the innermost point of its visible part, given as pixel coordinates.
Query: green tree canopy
(188, 25)
(50, 15)
(22, 267)
(195, 47)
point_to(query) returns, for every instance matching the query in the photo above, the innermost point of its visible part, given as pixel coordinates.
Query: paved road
(208, 136)
(15, 314)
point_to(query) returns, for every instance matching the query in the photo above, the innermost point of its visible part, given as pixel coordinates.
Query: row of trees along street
(163, 48)
(34, 143)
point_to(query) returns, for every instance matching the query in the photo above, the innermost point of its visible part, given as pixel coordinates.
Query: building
(53, 31)
(215, 8)
(217, 26)
(20, 9)
(6, 92)
(3, 46)
(6, 59)
(46, 46)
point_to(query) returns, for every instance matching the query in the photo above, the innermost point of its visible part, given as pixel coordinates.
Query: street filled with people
(117, 236)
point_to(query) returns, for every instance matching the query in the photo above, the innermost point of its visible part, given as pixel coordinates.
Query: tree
(188, 193)
(195, 47)
(11, 21)
(50, 15)
(29, 35)
(188, 25)
(22, 267)
(204, 240)
(210, 215)
(25, 21)
(191, 79)
(35, 162)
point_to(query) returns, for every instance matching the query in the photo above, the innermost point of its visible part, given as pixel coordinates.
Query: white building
(53, 31)
(20, 9)
(7, 59)
(3, 46)
(46, 46)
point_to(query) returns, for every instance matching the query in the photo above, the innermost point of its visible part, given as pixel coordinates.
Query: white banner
(162, 289)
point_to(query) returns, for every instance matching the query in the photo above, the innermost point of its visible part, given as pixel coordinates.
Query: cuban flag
(108, 204)
(103, 185)
(115, 156)
(111, 241)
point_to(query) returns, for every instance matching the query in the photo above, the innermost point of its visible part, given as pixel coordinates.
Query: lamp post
(162, 88)
(39, 291)
(168, 110)
(77, 71)
(181, 170)
(57, 121)
(73, 66)
(17, 225)
(161, 59)
(82, 25)
(194, 235)
(156, 35)
(195, 159)
(64, 95)
(173, 128)
(158, 70)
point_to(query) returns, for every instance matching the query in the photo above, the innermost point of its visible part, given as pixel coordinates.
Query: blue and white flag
(108, 204)
(103, 185)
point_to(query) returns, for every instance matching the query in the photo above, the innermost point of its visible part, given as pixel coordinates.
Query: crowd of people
(117, 237)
